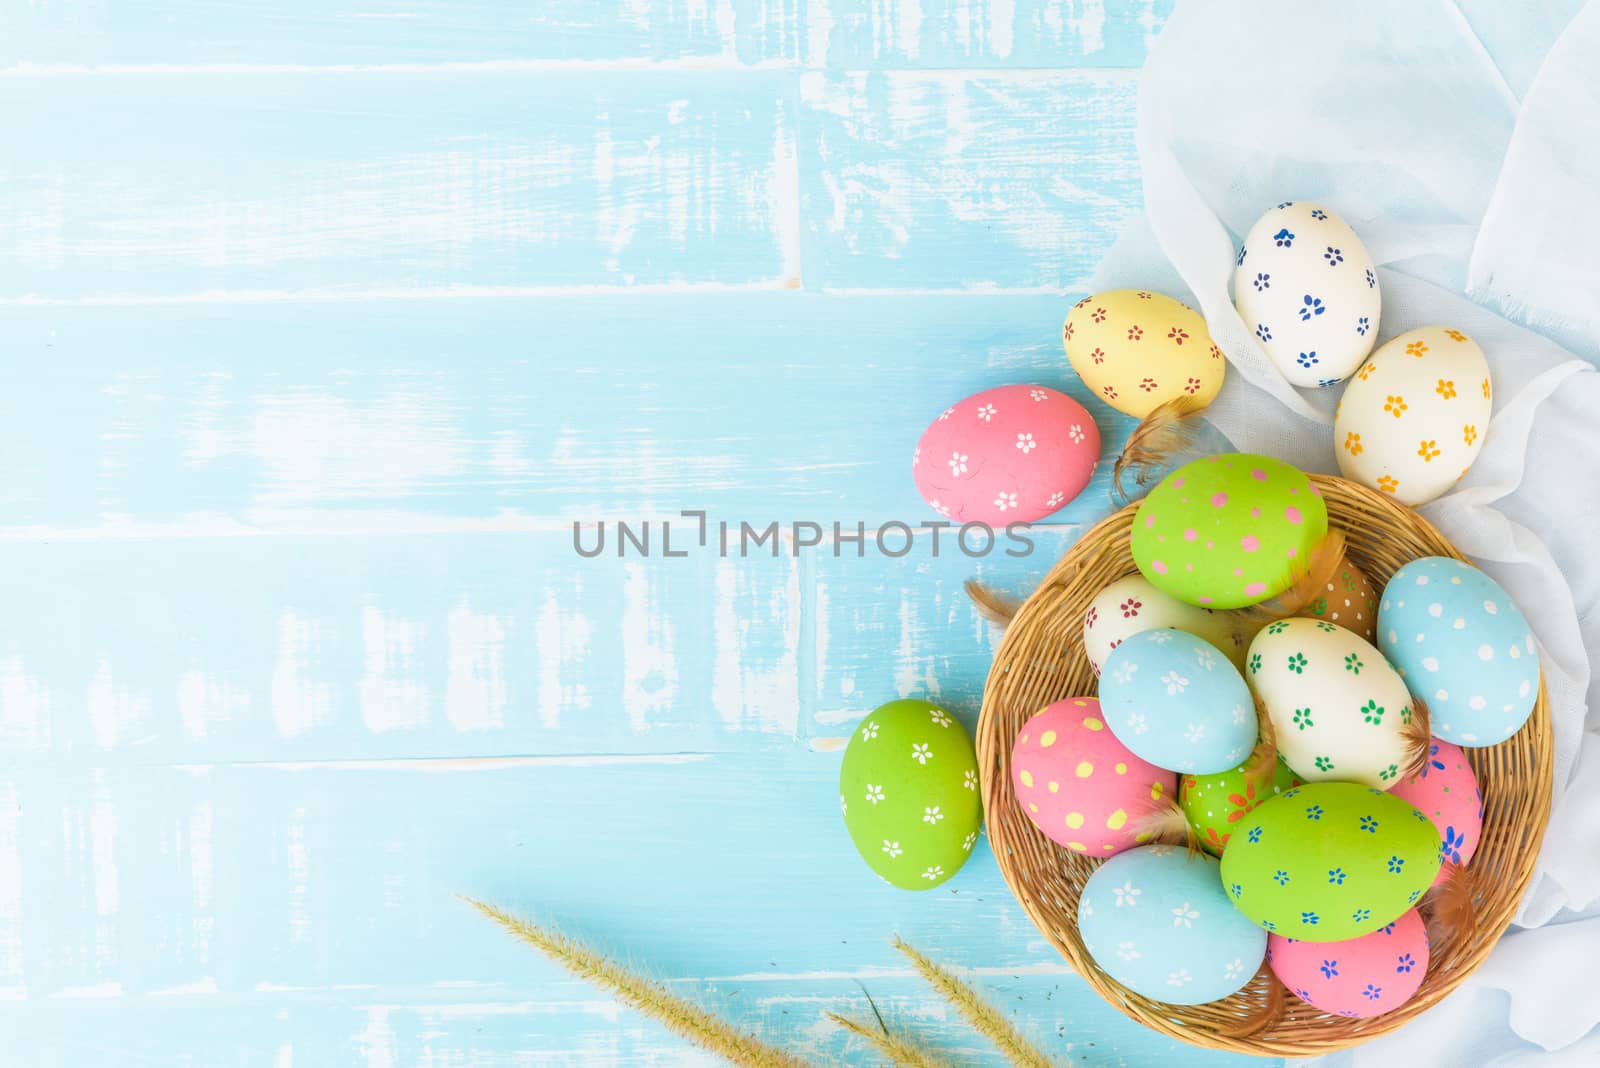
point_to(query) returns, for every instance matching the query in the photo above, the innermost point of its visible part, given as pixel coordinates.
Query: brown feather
(1450, 911)
(1414, 733)
(1266, 749)
(1166, 823)
(1155, 444)
(996, 607)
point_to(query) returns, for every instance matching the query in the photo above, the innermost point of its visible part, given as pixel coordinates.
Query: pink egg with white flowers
(1446, 791)
(1081, 786)
(1012, 454)
(1366, 976)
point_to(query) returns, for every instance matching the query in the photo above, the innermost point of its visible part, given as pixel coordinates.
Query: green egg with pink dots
(908, 789)
(1229, 531)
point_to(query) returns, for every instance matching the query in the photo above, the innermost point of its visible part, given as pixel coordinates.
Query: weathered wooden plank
(557, 1024)
(329, 648)
(316, 33)
(405, 182)
(906, 628)
(981, 33)
(956, 180)
(447, 415)
(326, 896)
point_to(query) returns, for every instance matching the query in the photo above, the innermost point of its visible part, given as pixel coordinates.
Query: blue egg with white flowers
(1158, 921)
(1462, 647)
(1178, 703)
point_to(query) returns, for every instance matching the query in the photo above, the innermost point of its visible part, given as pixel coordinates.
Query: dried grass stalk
(898, 1050)
(680, 1016)
(984, 1017)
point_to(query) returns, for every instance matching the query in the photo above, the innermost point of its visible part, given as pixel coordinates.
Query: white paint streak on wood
(24, 707)
(471, 764)
(111, 989)
(828, 745)
(784, 198)
(475, 693)
(913, 677)
(312, 445)
(745, 692)
(618, 64)
(649, 664)
(113, 710)
(906, 16)
(1089, 26)
(204, 701)
(819, 27)
(561, 641)
(447, 291)
(198, 988)
(284, 1058)
(11, 974)
(376, 1042)
(103, 855)
(392, 695)
(202, 823)
(1002, 27)
(298, 861)
(299, 702)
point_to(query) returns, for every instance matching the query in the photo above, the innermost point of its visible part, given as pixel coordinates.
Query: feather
(1155, 444)
(1166, 822)
(997, 608)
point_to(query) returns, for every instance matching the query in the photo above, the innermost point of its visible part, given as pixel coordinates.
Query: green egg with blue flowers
(1329, 861)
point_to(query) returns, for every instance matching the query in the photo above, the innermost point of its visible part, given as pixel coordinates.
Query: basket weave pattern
(1041, 660)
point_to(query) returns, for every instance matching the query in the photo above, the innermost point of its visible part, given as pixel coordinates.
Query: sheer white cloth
(1471, 169)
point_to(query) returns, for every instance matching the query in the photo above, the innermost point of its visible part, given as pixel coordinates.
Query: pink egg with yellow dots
(1012, 454)
(1446, 791)
(1366, 976)
(1081, 786)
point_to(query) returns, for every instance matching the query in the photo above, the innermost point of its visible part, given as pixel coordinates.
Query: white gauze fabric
(1398, 118)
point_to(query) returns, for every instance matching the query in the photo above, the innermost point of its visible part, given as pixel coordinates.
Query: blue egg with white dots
(1159, 922)
(1463, 647)
(1178, 703)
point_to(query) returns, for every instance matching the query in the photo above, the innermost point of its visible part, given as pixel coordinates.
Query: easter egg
(1462, 645)
(1306, 285)
(1413, 419)
(1138, 350)
(1336, 705)
(1081, 786)
(1175, 701)
(1227, 531)
(1157, 921)
(1214, 803)
(1446, 791)
(1365, 976)
(1329, 861)
(908, 788)
(1131, 605)
(1349, 600)
(1012, 454)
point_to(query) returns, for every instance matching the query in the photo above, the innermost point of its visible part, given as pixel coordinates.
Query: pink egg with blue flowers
(1446, 791)
(1012, 454)
(1366, 976)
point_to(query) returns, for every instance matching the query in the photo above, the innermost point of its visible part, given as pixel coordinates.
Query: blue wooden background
(323, 321)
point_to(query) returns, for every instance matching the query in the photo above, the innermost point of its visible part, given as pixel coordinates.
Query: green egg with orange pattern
(1229, 531)
(1213, 804)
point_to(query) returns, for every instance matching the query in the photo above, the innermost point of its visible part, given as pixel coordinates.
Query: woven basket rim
(1041, 659)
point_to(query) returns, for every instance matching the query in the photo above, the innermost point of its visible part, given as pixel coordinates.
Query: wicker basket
(1041, 660)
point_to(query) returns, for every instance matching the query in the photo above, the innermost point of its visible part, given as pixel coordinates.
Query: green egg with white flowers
(908, 789)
